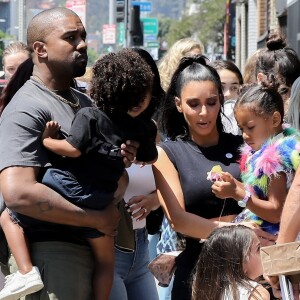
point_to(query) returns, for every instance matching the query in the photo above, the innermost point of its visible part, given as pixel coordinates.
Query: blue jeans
(165, 292)
(132, 278)
(153, 240)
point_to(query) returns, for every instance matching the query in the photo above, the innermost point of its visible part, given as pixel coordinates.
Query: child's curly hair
(120, 81)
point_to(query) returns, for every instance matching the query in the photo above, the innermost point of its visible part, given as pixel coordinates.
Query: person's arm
(23, 194)
(61, 147)
(51, 141)
(289, 229)
(171, 198)
(290, 220)
(268, 210)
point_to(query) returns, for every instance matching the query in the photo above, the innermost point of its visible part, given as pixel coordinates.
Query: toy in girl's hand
(215, 173)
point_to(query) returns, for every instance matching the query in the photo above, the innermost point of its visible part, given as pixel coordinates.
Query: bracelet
(243, 202)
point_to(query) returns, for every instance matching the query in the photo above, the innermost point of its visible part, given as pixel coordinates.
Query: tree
(207, 24)
(4, 38)
(211, 22)
(93, 56)
(164, 27)
(181, 29)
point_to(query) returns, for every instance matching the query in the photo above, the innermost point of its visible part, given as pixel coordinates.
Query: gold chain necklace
(73, 105)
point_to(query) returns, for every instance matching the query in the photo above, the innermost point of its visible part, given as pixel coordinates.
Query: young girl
(269, 157)
(121, 88)
(282, 61)
(228, 266)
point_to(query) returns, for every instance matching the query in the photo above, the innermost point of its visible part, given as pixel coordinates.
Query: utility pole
(122, 19)
(21, 21)
(126, 23)
(112, 10)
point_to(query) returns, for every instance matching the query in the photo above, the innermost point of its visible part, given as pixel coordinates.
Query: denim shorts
(64, 183)
(80, 194)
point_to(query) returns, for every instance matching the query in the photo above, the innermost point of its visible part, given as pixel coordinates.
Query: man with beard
(56, 38)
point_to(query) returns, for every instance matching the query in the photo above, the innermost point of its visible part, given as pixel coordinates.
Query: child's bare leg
(103, 250)
(17, 243)
(122, 186)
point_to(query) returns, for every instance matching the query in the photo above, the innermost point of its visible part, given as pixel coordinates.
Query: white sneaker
(18, 285)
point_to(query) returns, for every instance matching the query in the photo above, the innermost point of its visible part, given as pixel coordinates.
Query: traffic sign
(152, 44)
(79, 7)
(109, 33)
(121, 33)
(150, 37)
(150, 26)
(144, 6)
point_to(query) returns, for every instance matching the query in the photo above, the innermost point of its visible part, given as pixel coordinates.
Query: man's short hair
(44, 22)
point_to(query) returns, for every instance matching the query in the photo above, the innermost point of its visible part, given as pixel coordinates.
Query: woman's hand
(265, 238)
(140, 206)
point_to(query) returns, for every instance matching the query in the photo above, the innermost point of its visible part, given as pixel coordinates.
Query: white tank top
(141, 182)
(244, 293)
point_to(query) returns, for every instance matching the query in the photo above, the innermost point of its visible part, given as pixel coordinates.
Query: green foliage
(3, 37)
(93, 56)
(181, 29)
(211, 21)
(207, 24)
(164, 27)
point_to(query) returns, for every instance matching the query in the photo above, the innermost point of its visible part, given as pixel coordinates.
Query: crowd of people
(85, 174)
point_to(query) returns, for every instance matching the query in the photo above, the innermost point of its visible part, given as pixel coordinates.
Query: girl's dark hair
(21, 75)
(120, 81)
(195, 68)
(219, 269)
(227, 65)
(158, 93)
(262, 99)
(279, 59)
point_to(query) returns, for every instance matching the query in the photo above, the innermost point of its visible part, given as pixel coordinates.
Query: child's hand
(225, 187)
(51, 130)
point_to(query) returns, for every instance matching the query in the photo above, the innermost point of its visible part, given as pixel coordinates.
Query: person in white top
(231, 79)
(228, 266)
(132, 278)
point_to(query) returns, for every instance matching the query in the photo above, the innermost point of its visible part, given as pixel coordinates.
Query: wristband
(243, 202)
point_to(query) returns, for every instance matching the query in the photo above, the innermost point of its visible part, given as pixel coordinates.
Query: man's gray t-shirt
(21, 126)
(23, 122)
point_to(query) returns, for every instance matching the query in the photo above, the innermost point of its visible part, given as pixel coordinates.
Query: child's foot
(18, 285)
